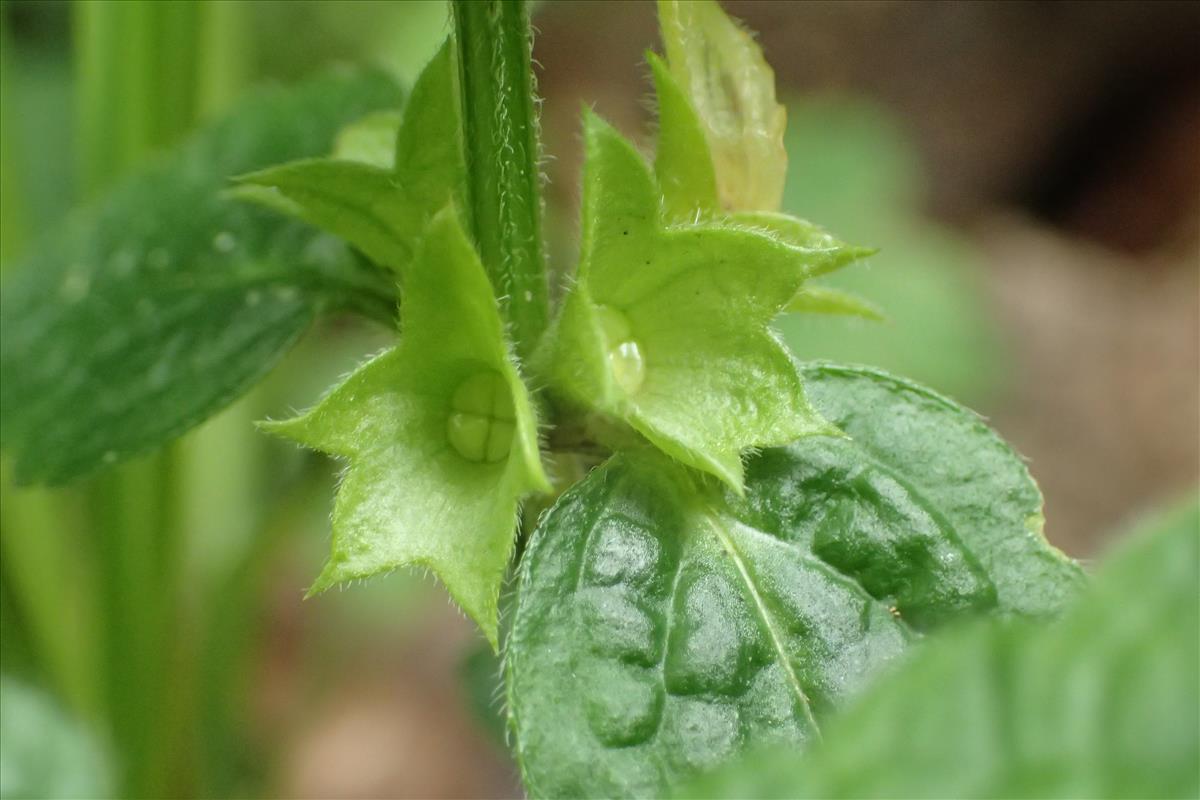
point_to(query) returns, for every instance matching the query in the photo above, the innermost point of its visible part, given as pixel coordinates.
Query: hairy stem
(501, 135)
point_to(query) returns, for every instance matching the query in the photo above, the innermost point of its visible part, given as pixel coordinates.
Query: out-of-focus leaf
(722, 71)
(852, 169)
(1102, 703)
(43, 753)
(164, 303)
(440, 437)
(482, 679)
(663, 626)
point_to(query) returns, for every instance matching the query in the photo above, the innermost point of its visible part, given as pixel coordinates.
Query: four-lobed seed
(481, 423)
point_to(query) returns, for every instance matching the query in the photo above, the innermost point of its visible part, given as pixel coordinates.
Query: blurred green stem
(147, 70)
(13, 214)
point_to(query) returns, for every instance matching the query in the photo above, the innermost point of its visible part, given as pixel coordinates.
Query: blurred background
(1029, 171)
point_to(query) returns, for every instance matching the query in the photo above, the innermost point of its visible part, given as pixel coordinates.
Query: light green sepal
(823, 252)
(682, 161)
(370, 140)
(666, 325)
(823, 300)
(376, 194)
(352, 200)
(440, 435)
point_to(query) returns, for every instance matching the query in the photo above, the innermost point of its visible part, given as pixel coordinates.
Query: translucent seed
(480, 426)
(628, 366)
(625, 357)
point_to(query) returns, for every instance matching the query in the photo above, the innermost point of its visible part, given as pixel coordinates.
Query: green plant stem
(501, 140)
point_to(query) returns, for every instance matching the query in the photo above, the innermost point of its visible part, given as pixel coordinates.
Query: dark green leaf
(948, 455)
(663, 625)
(163, 304)
(44, 753)
(1102, 703)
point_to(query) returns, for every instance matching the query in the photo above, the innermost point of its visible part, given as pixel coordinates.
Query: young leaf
(662, 627)
(160, 306)
(666, 325)
(1102, 703)
(381, 209)
(722, 71)
(440, 437)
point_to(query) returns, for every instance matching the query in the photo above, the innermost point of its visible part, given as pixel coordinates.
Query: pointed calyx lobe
(382, 208)
(439, 434)
(666, 325)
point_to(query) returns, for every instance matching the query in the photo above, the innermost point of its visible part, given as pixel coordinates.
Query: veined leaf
(382, 206)
(663, 626)
(722, 71)
(666, 324)
(157, 308)
(1102, 703)
(949, 455)
(439, 433)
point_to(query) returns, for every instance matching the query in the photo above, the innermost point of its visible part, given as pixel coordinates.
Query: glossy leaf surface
(666, 325)
(160, 306)
(1102, 703)
(440, 437)
(382, 207)
(664, 625)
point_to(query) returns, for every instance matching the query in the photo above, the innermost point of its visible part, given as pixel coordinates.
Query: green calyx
(666, 326)
(439, 434)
